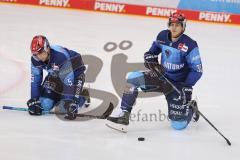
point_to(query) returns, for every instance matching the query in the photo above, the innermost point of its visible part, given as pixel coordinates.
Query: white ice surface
(46, 138)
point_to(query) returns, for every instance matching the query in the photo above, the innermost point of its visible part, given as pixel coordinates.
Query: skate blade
(117, 127)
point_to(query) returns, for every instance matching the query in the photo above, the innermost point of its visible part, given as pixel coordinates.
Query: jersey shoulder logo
(182, 47)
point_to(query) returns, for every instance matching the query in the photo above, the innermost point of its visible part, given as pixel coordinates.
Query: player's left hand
(186, 94)
(34, 107)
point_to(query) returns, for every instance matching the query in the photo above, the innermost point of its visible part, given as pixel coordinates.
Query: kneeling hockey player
(175, 75)
(64, 82)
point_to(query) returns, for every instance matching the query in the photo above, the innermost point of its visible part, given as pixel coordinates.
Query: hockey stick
(103, 116)
(204, 117)
(159, 74)
(191, 103)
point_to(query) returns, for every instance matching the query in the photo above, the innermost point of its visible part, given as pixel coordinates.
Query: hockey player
(177, 72)
(62, 85)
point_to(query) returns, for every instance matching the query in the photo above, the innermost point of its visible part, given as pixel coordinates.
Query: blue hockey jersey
(61, 64)
(181, 59)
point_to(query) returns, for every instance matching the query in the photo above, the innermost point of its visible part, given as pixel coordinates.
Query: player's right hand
(151, 62)
(34, 107)
(72, 109)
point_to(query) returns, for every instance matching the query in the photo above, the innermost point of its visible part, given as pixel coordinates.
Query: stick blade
(108, 111)
(228, 142)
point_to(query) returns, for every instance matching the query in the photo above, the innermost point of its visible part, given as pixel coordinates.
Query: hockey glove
(71, 108)
(34, 107)
(186, 94)
(151, 62)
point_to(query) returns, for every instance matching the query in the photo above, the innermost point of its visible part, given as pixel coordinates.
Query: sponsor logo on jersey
(55, 3)
(111, 7)
(155, 11)
(172, 66)
(183, 47)
(214, 17)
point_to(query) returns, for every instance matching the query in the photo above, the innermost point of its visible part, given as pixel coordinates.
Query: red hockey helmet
(39, 44)
(177, 18)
